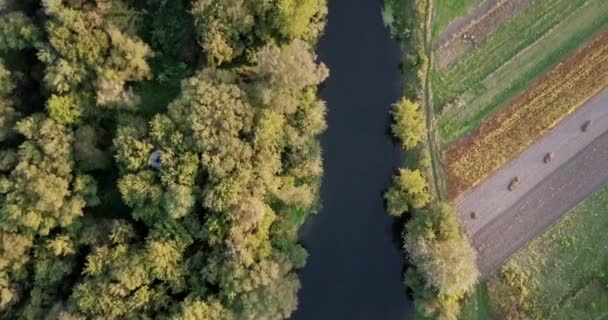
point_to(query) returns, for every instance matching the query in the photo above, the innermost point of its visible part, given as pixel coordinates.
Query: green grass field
(564, 271)
(477, 305)
(516, 74)
(448, 10)
(589, 303)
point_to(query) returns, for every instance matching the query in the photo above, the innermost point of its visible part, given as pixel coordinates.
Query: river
(355, 266)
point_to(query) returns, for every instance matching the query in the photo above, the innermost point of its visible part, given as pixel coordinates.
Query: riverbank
(443, 268)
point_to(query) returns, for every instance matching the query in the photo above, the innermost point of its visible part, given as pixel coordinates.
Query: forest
(157, 157)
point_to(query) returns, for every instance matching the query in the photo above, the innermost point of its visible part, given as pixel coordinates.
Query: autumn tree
(408, 123)
(409, 191)
(225, 28)
(300, 19)
(122, 276)
(444, 259)
(86, 51)
(42, 192)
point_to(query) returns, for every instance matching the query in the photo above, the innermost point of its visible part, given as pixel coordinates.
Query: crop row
(576, 29)
(509, 131)
(499, 47)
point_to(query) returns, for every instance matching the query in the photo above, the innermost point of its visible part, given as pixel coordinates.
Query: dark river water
(355, 266)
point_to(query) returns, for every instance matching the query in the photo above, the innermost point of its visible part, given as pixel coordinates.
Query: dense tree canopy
(165, 161)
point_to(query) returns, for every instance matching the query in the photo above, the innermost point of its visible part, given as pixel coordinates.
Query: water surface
(355, 266)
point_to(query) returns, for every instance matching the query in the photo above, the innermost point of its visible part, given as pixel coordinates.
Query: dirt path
(465, 33)
(437, 174)
(506, 220)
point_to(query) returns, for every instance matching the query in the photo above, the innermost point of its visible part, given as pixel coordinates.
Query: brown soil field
(508, 132)
(464, 34)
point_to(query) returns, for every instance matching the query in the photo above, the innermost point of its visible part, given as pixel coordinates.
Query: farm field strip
(512, 77)
(565, 141)
(463, 35)
(510, 130)
(499, 47)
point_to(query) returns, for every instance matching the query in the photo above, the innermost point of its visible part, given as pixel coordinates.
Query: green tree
(217, 118)
(408, 123)
(125, 278)
(196, 308)
(300, 19)
(279, 71)
(225, 28)
(7, 84)
(66, 109)
(409, 190)
(17, 31)
(443, 257)
(85, 50)
(195, 213)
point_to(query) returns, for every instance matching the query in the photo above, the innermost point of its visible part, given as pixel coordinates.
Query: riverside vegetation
(125, 195)
(443, 263)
